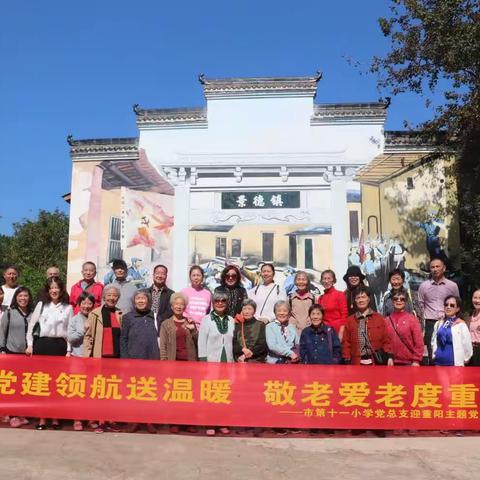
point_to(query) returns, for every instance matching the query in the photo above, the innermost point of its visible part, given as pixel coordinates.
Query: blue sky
(78, 67)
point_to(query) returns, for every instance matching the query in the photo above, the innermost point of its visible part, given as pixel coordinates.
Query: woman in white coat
(215, 338)
(451, 340)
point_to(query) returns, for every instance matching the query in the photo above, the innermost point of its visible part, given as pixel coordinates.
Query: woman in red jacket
(366, 340)
(334, 303)
(87, 284)
(405, 332)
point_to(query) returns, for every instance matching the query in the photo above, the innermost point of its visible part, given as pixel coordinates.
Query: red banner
(298, 396)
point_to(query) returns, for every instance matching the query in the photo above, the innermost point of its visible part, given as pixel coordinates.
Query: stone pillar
(181, 229)
(340, 229)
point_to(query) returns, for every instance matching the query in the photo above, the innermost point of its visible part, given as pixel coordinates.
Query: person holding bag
(366, 340)
(405, 332)
(52, 314)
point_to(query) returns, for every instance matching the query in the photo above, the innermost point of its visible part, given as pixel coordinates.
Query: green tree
(35, 245)
(435, 52)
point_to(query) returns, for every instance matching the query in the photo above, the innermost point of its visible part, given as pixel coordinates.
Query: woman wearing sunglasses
(451, 340)
(215, 338)
(230, 283)
(405, 332)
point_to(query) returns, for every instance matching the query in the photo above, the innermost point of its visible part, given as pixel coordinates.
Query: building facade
(261, 173)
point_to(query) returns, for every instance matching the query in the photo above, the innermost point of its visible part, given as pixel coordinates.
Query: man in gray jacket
(127, 288)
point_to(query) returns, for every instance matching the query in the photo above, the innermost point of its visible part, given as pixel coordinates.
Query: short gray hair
(179, 296)
(281, 303)
(146, 293)
(249, 301)
(219, 295)
(109, 288)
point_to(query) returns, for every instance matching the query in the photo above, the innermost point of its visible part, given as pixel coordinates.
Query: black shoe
(380, 433)
(40, 427)
(56, 426)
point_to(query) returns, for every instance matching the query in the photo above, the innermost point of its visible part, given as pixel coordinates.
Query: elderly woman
(178, 339)
(405, 332)
(178, 334)
(451, 339)
(249, 340)
(102, 337)
(366, 340)
(76, 332)
(138, 336)
(300, 301)
(215, 338)
(319, 343)
(230, 283)
(102, 330)
(282, 338)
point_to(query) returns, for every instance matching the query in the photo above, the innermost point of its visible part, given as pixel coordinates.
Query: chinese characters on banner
(297, 396)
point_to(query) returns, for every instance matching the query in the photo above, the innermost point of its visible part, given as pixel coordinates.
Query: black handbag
(380, 357)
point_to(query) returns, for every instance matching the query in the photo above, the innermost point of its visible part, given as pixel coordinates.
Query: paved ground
(27, 454)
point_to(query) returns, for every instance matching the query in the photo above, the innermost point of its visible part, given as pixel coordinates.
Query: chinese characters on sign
(244, 200)
(386, 401)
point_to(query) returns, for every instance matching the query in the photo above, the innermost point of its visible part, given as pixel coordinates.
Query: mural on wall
(128, 213)
(146, 234)
(290, 247)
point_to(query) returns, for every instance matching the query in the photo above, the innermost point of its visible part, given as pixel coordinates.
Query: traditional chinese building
(262, 172)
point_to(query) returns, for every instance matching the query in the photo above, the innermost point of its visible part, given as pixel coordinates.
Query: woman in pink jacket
(87, 284)
(405, 332)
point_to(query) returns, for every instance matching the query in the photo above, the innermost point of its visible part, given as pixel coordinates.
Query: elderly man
(431, 297)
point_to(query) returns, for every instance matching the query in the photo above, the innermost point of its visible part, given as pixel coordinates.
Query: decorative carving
(70, 140)
(304, 216)
(193, 176)
(172, 116)
(318, 76)
(260, 86)
(137, 110)
(238, 174)
(182, 175)
(284, 173)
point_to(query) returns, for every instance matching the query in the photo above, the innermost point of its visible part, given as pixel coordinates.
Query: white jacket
(211, 342)
(462, 342)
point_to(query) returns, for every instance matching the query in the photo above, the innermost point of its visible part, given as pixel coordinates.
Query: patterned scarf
(284, 329)
(221, 322)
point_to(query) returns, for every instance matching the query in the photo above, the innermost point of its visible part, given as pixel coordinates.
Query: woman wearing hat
(354, 278)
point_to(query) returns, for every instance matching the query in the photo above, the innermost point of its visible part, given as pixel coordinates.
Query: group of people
(231, 324)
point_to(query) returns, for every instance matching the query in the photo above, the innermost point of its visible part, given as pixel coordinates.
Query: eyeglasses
(231, 276)
(453, 305)
(399, 299)
(220, 300)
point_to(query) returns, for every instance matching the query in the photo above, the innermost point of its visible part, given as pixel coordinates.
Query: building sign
(236, 200)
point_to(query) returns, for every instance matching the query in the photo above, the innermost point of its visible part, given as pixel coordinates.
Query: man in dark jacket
(160, 295)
